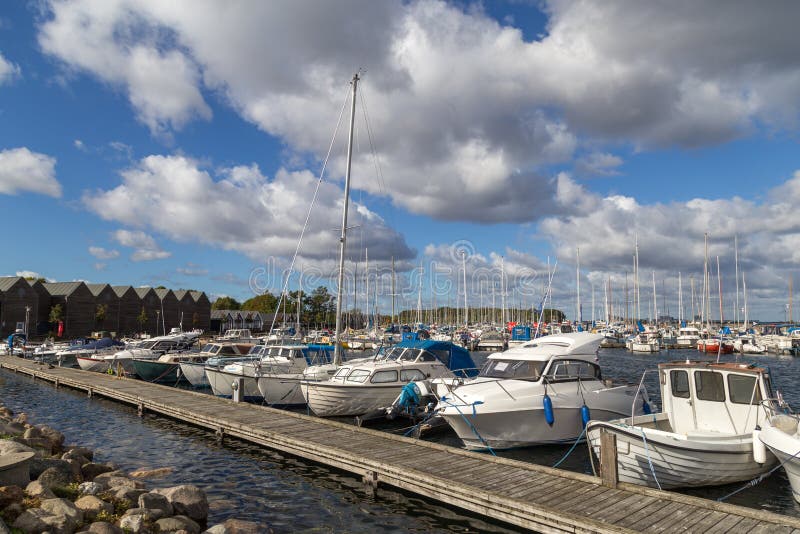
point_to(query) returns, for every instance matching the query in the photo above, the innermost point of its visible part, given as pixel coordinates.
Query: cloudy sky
(180, 143)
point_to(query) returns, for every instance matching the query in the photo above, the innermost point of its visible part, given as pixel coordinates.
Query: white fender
(759, 449)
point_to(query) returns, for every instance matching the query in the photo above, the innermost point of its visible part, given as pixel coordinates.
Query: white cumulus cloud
(8, 70)
(103, 254)
(23, 170)
(145, 247)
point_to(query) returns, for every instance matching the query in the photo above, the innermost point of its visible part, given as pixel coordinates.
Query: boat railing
(639, 390)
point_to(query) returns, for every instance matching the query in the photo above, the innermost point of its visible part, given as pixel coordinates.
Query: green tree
(265, 303)
(226, 303)
(56, 313)
(142, 319)
(320, 305)
(100, 314)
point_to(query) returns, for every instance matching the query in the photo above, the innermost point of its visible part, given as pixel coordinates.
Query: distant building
(81, 312)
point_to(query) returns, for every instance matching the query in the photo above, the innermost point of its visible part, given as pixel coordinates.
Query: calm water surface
(249, 482)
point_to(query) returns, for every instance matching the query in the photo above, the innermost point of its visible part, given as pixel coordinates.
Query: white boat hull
(328, 399)
(97, 365)
(221, 383)
(678, 461)
(786, 447)
(195, 374)
(281, 389)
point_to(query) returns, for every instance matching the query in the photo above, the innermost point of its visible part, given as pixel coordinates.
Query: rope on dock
(759, 478)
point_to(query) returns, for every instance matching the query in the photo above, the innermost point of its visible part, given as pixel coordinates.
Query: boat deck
(525, 495)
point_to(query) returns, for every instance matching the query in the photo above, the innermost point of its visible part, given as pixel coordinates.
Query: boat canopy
(576, 345)
(456, 358)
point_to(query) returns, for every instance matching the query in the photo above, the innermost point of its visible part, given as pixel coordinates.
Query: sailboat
(368, 385)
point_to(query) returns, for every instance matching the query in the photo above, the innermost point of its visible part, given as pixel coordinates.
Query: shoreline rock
(70, 493)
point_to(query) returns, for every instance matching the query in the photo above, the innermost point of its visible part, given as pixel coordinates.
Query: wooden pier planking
(527, 495)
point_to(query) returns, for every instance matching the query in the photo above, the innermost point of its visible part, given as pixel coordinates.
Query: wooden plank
(769, 528)
(684, 518)
(645, 522)
(612, 500)
(559, 499)
(744, 526)
(647, 511)
(724, 524)
(631, 504)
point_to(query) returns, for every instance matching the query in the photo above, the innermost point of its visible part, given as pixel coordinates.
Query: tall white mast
(744, 288)
(680, 300)
(337, 351)
(366, 285)
(719, 282)
(503, 290)
(636, 279)
(393, 292)
(578, 314)
(419, 295)
(703, 315)
(466, 306)
(736, 261)
(655, 301)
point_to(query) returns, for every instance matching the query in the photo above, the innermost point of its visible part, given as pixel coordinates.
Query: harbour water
(249, 482)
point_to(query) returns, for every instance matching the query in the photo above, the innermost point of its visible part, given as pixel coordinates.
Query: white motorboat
(704, 434)
(90, 348)
(278, 368)
(278, 376)
(535, 394)
(238, 335)
(150, 349)
(491, 340)
(779, 434)
(219, 354)
(747, 344)
(687, 337)
(371, 384)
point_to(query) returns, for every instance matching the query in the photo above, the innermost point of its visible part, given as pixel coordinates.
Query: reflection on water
(249, 482)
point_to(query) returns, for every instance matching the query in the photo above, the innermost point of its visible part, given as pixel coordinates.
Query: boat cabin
(706, 397)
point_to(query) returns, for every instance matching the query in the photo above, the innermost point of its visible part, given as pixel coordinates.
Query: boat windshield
(513, 369)
(406, 355)
(210, 348)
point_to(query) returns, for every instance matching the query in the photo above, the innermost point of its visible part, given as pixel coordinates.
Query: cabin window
(358, 375)
(442, 355)
(426, 356)
(709, 386)
(573, 370)
(227, 349)
(515, 369)
(342, 371)
(407, 375)
(382, 377)
(680, 384)
(741, 389)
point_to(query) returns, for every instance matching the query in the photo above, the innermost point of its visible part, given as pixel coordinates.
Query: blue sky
(179, 144)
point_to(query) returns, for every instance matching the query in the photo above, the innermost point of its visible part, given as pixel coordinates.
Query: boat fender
(547, 403)
(759, 449)
(585, 415)
(409, 395)
(646, 407)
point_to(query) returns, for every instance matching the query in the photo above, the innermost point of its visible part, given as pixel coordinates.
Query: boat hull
(155, 371)
(195, 374)
(281, 389)
(786, 447)
(97, 365)
(676, 462)
(221, 383)
(329, 399)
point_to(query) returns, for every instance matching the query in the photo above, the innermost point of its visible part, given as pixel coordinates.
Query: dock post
(55, 382)
(238, 389)
(89, 392)
(608, 459)
(140, 409)
(220, 435)
(370, 480)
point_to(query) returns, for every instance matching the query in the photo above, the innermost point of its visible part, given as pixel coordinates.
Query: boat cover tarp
(456, 358)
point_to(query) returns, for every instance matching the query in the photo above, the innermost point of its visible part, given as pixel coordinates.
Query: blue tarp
(96, 344)
(456, 358)
(521, 333)
(640, 326)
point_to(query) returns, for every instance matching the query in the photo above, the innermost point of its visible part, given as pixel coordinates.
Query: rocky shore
(49, 487)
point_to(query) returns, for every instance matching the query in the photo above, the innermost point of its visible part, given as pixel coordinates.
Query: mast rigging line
(310, 210)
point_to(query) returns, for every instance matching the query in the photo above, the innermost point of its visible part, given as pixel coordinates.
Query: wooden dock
(534, 497)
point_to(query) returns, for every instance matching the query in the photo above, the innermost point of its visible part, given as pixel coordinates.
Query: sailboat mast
(736, 261)
(578, 314)
(367, 310)
(393, 292)
(466, 307)
(744, 288)
(719, 283)
(655, 301)
(680, 300)
(337, 351)
(503, 290)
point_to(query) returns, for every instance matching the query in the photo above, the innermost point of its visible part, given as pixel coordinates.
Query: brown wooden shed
(16, 294)
(169, 308)
(186, 308)
(129, 306)
(78, 304)
(152, 306)
(202, 309)
(104, 296)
